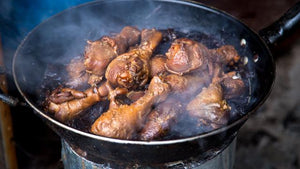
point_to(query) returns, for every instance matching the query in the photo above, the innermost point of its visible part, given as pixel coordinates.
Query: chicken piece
(227, 55)
(76, 73)
(157, 65)
(186, 55)
(94, 79)
(112, 96)
(61, 95)
(233, 85)
(67, 103)
(98, 54)
(184, 88)
(135, 95)
(187, 86)
(161, 119)
(231, 82)
(124, 121)
(121, 96)
(131, 70)
(209, 106)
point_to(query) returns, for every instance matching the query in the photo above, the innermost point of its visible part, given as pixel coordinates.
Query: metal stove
(217, 158)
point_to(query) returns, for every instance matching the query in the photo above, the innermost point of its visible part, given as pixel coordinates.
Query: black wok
(64, 36)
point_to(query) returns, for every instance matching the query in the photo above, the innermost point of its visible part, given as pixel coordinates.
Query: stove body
(218, 158)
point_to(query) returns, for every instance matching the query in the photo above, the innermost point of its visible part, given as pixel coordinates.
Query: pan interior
(64, 36)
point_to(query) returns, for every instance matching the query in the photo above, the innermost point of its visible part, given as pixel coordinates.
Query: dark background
(269, 140)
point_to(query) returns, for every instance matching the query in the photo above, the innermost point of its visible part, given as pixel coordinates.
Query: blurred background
(269, 140)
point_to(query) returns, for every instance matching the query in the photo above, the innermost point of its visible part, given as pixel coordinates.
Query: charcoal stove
(221, 157)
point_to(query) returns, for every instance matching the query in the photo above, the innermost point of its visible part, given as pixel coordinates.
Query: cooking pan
(63, 36)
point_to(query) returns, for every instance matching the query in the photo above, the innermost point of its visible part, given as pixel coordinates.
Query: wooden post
(8, 159)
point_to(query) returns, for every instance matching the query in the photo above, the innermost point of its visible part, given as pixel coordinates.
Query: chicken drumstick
(67, 103)
(186, 55)
(131, 69)
(99, 53)
(124, 121)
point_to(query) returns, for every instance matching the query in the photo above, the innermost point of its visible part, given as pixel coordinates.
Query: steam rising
(55, 42)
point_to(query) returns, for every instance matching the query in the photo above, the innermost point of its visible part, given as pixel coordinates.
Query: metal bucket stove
(217, 158)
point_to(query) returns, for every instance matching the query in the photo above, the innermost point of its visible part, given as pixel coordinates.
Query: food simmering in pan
(147, 84)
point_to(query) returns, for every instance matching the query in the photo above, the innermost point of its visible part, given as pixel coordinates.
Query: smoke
(19, 17)
(63, 37)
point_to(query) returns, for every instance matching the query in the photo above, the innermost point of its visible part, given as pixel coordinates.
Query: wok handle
(10, 100)
(283, 27)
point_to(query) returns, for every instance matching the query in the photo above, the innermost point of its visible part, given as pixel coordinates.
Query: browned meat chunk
(226, 55)
(113, 93)
(98, 54)
(131, 69)
(209, 106)
(61, 95)
(165, 114)
(186, 87)
(161, 119)
(135, 95)
(124, 121)
(67, 103)
(157, 65)
(233, 85)
(76, 71)
(189, 82)
(186, 55)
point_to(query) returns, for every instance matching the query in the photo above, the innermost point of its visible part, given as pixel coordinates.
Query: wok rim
(202, 6)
